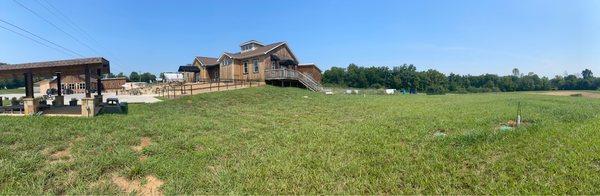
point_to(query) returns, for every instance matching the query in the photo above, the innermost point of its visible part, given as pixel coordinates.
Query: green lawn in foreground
(11, 91)
(271, 140)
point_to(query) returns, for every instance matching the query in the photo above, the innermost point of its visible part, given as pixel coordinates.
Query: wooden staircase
(290, 74)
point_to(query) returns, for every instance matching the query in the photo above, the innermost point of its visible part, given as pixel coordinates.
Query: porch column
(29, 104)
(87, 82)
(99, 82)
(98, 97)
(58, 84)
(28, 84)
(88, 103)
(59, 99)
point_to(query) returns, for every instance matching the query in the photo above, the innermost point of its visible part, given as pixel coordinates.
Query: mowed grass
(11, 91)
(271, 140)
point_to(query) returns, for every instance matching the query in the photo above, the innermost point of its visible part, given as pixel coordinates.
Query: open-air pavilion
(89, 67)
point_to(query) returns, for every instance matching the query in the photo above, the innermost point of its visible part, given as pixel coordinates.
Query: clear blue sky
(467, 37)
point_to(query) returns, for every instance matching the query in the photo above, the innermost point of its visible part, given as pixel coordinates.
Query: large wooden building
(257, 61)
(76, 83)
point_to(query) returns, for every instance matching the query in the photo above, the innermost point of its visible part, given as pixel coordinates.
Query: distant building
(272, 63)
(72, 82)
(190, 73)
(77, 84)
(113, 84)
(134, 85)
(173, 77)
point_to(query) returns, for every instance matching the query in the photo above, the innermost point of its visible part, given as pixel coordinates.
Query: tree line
(406, 77)
(135, 77)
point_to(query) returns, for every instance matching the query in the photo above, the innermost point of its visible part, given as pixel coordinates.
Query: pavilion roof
(48, 68)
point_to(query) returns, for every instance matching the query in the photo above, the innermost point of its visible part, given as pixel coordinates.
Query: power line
(66, 19)
(39, 37)
(22, 35)
(69, 22)
(55, 26)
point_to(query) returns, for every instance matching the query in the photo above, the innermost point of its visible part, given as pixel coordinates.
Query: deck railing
(290, 74)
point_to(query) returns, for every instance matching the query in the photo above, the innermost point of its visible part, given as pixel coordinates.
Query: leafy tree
(147, 77)
(134, 77)
(587, 74)
(516, 72)
(335, 75)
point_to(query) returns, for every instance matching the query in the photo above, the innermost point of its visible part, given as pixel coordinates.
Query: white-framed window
(82, 85)
(255, 65)
(71, 86)
(245, 67)
(226, 62)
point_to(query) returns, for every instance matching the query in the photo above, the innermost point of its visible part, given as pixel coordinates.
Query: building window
(255, 63)
(245, 67)
(71, 86)
(273, 64)
(226, 62)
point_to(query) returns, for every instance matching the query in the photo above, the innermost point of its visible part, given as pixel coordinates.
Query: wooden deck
(286, 75)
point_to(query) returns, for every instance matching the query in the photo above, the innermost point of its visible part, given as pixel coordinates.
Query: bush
(436, 90)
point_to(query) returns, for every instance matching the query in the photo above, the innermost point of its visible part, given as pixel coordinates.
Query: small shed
(310, 69)
(190, 73)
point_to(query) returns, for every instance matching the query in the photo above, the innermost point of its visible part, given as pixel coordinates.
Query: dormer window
(250, 45)
(247, 47)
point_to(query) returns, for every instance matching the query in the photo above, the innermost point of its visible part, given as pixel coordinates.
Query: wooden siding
(235, 70)
(311, 71)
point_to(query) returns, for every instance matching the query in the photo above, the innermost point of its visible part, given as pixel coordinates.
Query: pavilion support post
(88, 106)
(87, 82)
(29, 85)
(99, 89)
(30, 105)
(59, 99)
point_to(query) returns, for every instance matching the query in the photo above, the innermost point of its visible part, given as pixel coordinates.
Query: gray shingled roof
(256, 52)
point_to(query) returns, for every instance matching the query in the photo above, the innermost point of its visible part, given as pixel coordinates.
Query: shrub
(436, 90)
(576, 95)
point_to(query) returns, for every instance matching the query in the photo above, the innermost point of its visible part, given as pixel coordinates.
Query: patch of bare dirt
(570, 93)
(199, 147)
(143, 157)
(144, 142)
(151, 187)
(61, 155)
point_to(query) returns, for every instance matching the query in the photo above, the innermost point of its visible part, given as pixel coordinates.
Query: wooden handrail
(290, 74)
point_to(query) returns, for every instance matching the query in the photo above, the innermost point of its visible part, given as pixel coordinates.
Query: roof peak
(252, 41)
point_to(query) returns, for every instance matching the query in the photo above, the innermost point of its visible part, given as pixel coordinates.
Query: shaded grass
(274, 141)
(11, 91)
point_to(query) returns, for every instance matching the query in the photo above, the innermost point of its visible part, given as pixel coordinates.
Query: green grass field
(271, 140)
(11, 91)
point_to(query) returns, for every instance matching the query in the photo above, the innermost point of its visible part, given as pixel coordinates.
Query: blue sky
(548, 37)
